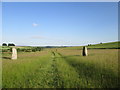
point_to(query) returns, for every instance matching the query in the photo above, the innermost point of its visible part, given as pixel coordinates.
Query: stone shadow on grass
(6, 58)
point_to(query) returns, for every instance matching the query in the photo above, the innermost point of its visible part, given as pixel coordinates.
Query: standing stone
(84, 53)
(14, 53)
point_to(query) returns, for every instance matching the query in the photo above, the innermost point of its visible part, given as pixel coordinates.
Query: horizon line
(71, 45)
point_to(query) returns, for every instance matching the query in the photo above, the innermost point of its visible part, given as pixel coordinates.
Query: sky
(60, 0)
(0, 22)
(59, 23)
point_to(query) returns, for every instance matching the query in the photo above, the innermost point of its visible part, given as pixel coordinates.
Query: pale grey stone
(14, 53)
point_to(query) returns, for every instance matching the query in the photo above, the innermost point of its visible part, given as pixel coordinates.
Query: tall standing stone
(14, 53)
(84, 53)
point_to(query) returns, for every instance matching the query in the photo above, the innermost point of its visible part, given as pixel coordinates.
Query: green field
(110, 45)
(61, 68)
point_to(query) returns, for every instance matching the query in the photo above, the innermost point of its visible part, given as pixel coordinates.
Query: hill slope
(110, 45)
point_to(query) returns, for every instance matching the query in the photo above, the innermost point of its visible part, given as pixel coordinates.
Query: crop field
(61, 68)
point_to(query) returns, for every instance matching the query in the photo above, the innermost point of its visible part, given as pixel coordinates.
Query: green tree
(4, 44)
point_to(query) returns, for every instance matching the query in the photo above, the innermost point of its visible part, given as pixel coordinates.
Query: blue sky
(0, 22)
(60, 23)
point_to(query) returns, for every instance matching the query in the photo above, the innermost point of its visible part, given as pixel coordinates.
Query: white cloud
(34, 24)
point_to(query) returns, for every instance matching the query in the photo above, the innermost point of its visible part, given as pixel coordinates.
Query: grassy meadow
(62, 68)
(109, 45)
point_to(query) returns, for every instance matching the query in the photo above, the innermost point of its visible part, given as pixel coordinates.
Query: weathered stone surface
(84, 53)
(14, 53)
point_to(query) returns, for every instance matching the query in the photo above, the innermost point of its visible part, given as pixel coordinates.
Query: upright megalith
(84, 53)
(14, 53)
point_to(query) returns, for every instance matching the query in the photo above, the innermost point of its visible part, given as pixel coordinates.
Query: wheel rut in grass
(57, 81)
(68, 74)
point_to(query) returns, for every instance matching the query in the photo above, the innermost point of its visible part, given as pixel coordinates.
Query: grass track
(61, 69)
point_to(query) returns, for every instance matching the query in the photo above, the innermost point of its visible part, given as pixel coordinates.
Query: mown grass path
(56, 77)
(68, 77)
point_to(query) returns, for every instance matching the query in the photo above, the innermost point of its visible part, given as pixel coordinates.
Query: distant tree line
(33, 49)
(9, 44)
(91, 44)
(6, 50)
(4, 44)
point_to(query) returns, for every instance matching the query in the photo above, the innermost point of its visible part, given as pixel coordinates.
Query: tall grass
(27, 71)
(61, 68)
(99, 69)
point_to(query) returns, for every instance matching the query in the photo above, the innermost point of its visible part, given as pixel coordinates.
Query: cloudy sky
(62, 23)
